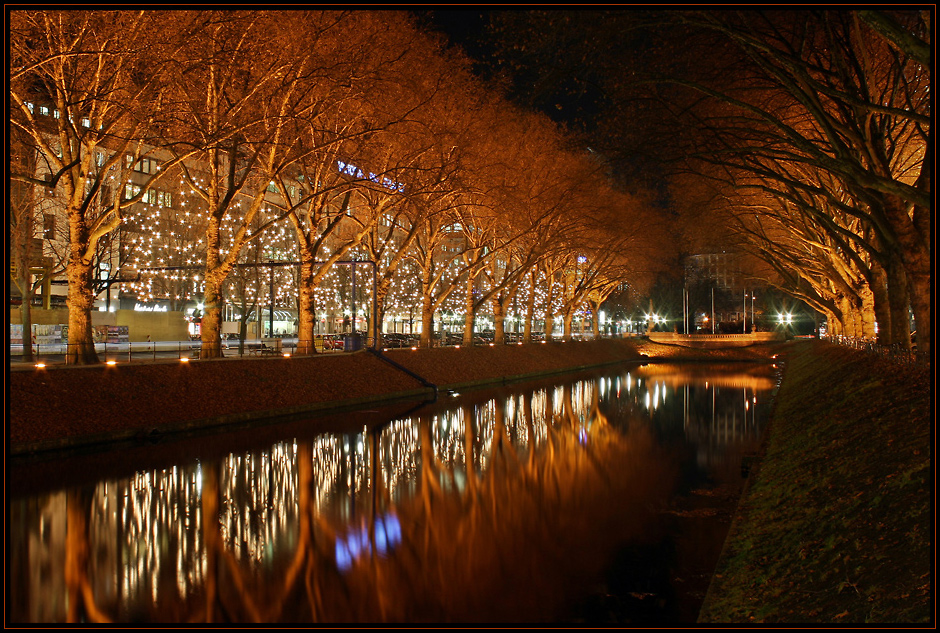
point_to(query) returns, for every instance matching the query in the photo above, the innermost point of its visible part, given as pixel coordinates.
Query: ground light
(184, 359)
(112, 362)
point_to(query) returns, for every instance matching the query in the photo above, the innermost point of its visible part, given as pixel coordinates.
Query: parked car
(397, 340)
(333, 342)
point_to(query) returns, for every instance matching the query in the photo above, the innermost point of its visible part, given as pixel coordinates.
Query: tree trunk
(427, 320)
(499, 320)
(469, 314)
(879, 288)
(898, 302)
(549, 324)
(81, 300)
(867, 313)
(210, 331)
(306, 310)
(568, 318)
(914, 238)
(381, 294)
(26, 319)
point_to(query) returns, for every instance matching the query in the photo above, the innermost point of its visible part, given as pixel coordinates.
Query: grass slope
(836, 525)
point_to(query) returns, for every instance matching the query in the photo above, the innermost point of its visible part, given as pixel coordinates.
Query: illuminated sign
(140, 307)
(352, 170)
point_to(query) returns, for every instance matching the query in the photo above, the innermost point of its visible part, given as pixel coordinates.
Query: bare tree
(85, 88)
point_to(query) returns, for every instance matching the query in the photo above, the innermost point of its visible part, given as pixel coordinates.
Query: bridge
(710, 341)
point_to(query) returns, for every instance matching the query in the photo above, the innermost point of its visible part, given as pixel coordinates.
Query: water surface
(603, 499)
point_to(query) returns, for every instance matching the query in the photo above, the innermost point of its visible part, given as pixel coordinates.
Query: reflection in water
(499, 509)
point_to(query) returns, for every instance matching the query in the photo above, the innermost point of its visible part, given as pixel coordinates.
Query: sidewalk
(140, 351)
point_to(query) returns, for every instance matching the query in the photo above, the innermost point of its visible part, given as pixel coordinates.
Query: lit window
(44, 110)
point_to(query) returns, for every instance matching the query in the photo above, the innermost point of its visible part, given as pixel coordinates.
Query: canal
(601, 498)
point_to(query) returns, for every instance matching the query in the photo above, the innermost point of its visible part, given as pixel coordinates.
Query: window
(143, 166)
(48, 226)
(166, 199)
(131, 190)
(44, 110)
(273, 188)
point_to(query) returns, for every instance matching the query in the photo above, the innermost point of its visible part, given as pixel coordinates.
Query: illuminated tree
(767, 94)
(238, 91)
(86, 89)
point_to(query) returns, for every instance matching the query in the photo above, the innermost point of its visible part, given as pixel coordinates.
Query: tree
(765, 94)
(86, 89)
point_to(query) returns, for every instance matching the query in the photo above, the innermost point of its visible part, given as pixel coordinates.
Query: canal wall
(59, 407)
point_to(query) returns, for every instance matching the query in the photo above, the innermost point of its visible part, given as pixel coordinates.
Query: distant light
(492, 344)
(40, 365)
(456, 347)
(184, 359)
(414, 348)
(286, 354)
(112, 362)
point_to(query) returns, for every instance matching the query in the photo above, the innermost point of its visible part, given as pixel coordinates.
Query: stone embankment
(65, 407)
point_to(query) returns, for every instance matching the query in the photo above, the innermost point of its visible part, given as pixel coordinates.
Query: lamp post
(744, 315)
(752, 311)
(713, 309)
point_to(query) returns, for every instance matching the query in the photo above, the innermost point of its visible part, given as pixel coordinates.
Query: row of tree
(355, 129)
(803, 137)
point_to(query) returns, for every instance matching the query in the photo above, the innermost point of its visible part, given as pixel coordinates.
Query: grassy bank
(836, 525)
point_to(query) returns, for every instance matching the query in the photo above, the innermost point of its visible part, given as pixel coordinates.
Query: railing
(894, 353)
(147, 351)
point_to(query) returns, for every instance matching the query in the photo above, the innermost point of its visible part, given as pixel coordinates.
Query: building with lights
(721, 291)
